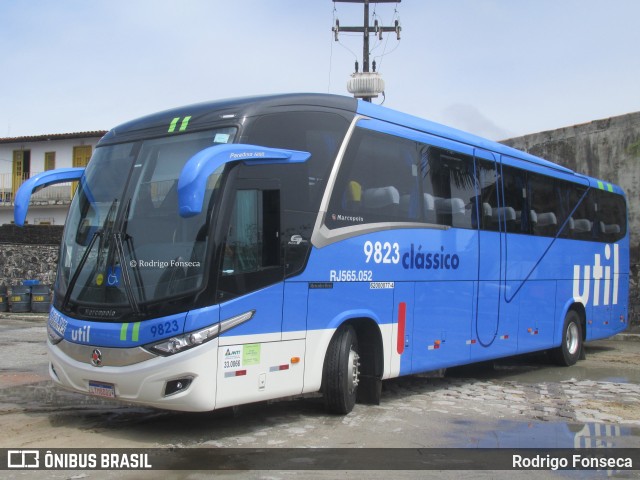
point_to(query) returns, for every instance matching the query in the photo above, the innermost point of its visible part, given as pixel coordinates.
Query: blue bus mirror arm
(37, 182)
(192, 182)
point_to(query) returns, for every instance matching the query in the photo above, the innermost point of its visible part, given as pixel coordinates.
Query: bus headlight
(180, 343)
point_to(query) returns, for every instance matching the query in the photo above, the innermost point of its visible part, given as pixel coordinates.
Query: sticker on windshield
(221, 138)
(113, 276)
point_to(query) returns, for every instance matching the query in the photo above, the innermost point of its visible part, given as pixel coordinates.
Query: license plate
(38, 298)
(102, 389)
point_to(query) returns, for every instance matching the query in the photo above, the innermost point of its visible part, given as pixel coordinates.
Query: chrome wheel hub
(572, 340)
(354, 370)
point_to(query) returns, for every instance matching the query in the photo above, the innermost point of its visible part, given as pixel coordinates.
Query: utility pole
(365, 85)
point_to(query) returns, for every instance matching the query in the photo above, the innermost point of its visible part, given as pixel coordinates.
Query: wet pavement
(522, 402)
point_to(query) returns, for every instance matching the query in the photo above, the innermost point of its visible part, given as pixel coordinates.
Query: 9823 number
(165, 328)
(379, 252)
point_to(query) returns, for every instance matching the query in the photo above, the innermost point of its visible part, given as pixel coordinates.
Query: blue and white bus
(250, 249)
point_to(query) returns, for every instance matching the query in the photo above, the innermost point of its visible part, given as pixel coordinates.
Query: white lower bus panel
(146, 382)
(252, 372)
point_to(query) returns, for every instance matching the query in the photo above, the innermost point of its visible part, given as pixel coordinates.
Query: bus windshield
(124, 243)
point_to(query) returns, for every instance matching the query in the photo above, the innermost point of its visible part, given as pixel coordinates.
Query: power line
(364, 79)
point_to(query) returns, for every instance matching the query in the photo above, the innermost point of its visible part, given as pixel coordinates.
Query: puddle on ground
(604, 363)
(544, 435)
(512, 434)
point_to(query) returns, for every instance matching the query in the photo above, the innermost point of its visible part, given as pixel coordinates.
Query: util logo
(602, 279)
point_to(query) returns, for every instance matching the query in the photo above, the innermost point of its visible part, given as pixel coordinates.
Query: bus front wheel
(568, 352)
(341, 371)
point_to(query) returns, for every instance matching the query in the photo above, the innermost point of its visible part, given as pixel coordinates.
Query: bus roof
(402, 119)
(416, 123)
(204, 115)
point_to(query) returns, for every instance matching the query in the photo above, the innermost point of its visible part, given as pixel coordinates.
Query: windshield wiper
(98, 233)
(125, 274)
(76, 274)
(128, 239)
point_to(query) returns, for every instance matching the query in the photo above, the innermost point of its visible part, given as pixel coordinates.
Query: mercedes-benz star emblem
(96, 358)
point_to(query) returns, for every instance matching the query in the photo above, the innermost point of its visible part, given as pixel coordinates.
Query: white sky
(497, 68)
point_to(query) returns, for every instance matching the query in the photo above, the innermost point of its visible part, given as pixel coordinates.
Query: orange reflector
(295, 360)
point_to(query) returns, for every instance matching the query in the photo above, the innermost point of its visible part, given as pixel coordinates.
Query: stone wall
(29, 253)
(28, 262)
(31, 234)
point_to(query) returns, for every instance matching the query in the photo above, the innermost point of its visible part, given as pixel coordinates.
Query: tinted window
(518, 217)
(302, 185)
(547, 204)
(377, 182)
(580, 224)
(489, 209)
(319, 133)
(448, 187)
(251, 254)
(611, 216)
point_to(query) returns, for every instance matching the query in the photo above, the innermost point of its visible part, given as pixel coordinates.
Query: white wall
(64, 159)
(63, 149)
(57, 214)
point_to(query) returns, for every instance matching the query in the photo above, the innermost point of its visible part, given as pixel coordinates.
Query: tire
(568, 352)
(340, 375)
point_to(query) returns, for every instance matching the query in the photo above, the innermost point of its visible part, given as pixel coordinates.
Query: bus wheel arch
(572, 338)
(354, 356)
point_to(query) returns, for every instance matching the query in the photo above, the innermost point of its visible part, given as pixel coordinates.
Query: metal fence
(62, 192)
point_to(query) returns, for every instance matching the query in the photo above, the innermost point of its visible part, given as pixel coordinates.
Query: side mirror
(38, 182)
(192, 182)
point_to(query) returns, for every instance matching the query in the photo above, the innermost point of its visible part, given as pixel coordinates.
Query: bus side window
(580, 224)
(519, 218)
(449, 187)
(546, 199)
(610, 217)
(377, 182)
(488, 186)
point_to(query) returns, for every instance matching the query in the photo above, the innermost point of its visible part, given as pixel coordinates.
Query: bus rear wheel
(341, 371)
(568, 352)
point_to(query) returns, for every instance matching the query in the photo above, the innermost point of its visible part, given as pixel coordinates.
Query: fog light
(176, 386)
